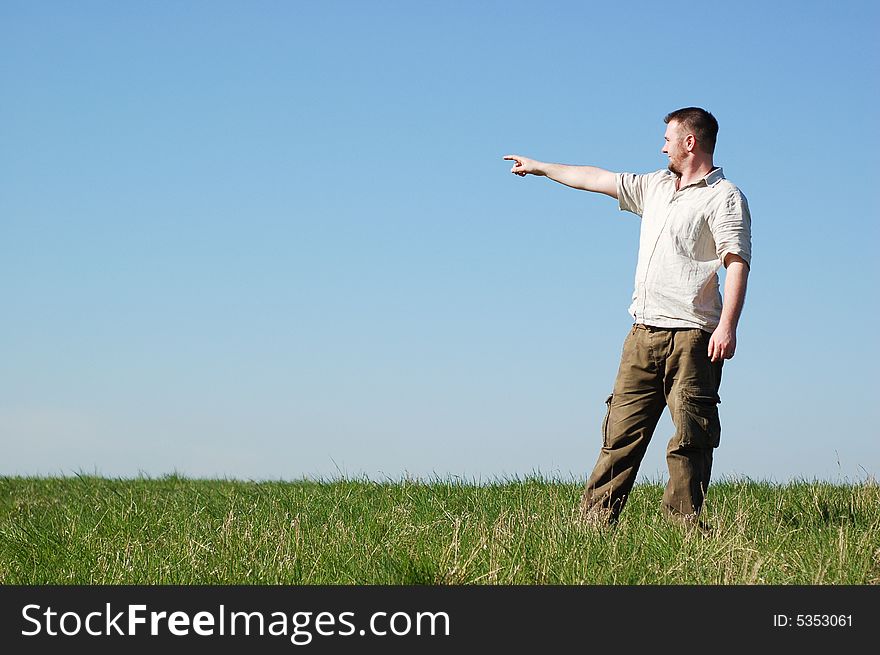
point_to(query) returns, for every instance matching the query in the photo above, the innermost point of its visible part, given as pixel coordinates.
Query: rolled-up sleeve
(732, 227)
(631, 192)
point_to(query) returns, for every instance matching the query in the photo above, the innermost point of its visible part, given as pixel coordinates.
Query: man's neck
(695, 173)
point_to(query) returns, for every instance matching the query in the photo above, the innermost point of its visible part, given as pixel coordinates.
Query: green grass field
(172, 530)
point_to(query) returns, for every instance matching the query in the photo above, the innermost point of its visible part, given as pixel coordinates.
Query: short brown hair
(698, 122)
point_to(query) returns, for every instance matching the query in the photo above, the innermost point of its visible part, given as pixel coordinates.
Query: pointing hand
(523, 165)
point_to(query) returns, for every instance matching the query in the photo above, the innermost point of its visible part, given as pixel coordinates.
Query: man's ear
(690, 142)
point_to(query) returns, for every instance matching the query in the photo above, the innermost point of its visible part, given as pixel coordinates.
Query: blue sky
(277, 240)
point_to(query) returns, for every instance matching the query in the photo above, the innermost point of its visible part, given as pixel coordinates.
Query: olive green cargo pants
(659, 367)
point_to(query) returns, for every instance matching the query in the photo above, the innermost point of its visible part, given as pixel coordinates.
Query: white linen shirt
(684, 238)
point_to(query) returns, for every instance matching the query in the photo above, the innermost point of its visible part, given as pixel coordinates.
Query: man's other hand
(722, 344)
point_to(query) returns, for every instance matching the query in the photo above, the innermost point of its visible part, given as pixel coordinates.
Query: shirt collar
(714, 176)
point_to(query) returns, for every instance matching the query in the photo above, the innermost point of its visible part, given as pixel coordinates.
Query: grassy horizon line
(514, 478)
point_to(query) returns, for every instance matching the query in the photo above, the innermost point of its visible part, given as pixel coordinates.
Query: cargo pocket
(605, 421)
(698, 423)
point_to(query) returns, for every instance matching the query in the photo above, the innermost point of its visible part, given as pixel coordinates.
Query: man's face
(674, 147)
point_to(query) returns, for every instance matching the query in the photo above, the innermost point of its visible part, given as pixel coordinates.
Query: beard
(674, 168)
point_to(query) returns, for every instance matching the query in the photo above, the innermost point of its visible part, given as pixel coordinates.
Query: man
(693, 221)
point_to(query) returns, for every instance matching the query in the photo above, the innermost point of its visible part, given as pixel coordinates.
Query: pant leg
(692, 384)
(633, 410)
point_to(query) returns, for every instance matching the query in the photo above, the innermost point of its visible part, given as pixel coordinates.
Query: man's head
(690, 133)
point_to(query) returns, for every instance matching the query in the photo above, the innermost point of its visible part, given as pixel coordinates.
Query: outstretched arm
(722, 345)
(587, 178)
